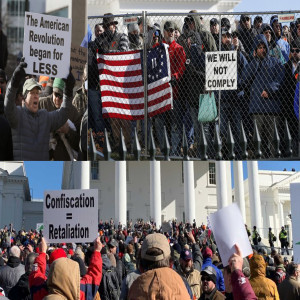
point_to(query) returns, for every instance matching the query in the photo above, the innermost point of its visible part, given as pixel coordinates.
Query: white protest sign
(47, 45)
(295, 208)
(286, 18)
(130, 20)
(70, 216)
(221, 70)
(229, 229)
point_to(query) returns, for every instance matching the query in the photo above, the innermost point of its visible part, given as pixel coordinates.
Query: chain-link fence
(226, 82)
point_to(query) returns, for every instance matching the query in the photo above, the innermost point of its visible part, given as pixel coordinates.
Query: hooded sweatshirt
(263, 75)
(263, 287)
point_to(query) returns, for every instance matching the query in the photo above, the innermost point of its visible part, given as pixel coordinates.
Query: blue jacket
(266, 74)
(220, 279)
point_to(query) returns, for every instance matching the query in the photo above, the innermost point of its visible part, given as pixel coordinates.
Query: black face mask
(109, 34)
(133, 38)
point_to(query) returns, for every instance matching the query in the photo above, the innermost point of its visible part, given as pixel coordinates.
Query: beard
(227, 47)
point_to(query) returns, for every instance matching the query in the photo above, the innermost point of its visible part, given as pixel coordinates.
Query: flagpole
(145, 40)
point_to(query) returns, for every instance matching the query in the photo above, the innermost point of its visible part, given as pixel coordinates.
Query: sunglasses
(170, 30)
(246, 19)
(206, 278)
(58, 95)
(295, 50)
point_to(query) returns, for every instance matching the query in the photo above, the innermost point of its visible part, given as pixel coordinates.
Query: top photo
(212, 80)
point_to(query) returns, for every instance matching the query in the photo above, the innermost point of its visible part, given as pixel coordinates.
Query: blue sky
(267, 5)
(43, 175)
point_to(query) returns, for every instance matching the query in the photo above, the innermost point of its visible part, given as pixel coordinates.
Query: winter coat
(246, 36)
(220, 278)
(6, 145)
(3, 50)
(31, 131)
(21, 290)
(11, 273)
(127, 282)
(164, 283)
(64, 279)
(241, 288)
(72, 137)
(266, 74)
(289, 289)
(177, 63)
(214, 295)
(193, 279)
(263, 287)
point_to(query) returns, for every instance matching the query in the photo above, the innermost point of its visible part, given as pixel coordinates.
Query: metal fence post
(145, 41)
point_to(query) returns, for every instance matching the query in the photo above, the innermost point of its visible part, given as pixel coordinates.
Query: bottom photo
(150, 230)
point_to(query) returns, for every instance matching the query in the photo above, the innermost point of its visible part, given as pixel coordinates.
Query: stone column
(221, 181)
(280, 213)
(155, 192)
(239, 193)
(189, 191)
(254, 195)
(81, 174)
(120, 193)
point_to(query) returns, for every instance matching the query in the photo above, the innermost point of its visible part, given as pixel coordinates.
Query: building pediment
(3, 172)
(285, 183)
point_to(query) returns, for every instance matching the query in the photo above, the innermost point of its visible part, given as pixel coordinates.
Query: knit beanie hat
(58, 85)
(56, 254)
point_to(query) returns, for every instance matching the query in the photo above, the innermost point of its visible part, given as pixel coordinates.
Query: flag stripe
(120, 74)
(122, 85)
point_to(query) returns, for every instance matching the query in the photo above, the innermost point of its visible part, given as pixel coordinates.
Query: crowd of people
(267, 67)
(42, 117)
(178, 261)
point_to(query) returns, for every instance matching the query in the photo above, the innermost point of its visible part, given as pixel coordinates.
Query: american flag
(122, 84)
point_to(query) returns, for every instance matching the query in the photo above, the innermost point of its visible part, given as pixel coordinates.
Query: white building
(16, 205)
(267, 204)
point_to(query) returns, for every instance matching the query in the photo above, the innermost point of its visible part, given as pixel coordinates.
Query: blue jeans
(96, 121)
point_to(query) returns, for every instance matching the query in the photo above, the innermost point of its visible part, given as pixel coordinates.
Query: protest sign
(39, 226)
(221, 70)
(78, 61)
(295, 208)
(229, 229)
(286, 18)
(47, 45)
(130, 20)
(70, 216)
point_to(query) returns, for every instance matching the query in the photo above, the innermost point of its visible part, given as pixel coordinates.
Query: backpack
(109, 287)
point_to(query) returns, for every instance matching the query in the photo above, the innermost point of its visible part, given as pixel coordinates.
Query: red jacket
(177, 63)
(241, 287)
(89, 283)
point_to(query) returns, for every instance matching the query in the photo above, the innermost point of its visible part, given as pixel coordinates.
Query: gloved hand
(19, 73)
(69, 84)
(173, 81)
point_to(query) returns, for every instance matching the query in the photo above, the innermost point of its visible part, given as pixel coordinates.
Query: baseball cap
(214, 21)
(168, 25)
(225, 30)
(211, 272)
(244, 18)
(113, 243)
(30, 84)
(186, 254)
(155, 240)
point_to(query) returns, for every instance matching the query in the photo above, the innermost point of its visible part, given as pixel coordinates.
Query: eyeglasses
(295, 50)
(58, 95)
(206, 278)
